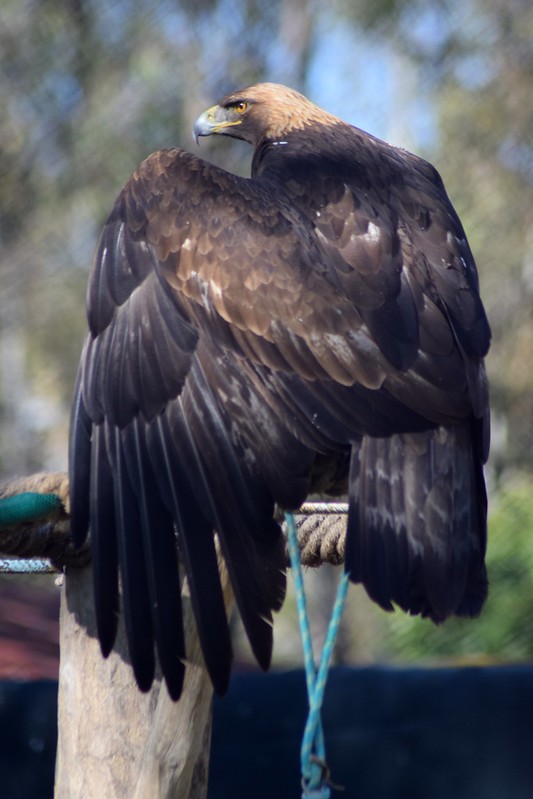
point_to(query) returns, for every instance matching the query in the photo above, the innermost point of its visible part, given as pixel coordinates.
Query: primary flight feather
(314, 328)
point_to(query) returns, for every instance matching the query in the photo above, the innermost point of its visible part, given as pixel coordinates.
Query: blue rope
(313, 752)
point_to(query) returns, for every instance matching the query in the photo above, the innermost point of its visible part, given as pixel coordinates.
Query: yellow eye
(241, 107)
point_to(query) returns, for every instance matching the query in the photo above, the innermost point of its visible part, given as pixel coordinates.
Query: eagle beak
(214, 120)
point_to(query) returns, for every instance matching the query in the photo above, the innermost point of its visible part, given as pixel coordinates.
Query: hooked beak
(214, 120)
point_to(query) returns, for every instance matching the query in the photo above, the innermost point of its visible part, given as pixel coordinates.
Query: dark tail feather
(417, 521)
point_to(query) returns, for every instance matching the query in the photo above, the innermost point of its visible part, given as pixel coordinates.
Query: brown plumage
(315, 327)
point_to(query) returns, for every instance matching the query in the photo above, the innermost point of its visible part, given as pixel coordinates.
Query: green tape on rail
(27, 507)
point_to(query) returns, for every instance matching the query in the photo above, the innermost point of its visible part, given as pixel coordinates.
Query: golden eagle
(314, 328)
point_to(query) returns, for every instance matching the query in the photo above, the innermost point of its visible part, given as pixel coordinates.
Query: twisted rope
(36, 525)
(321, 528)
(315, 773)
(321, 532)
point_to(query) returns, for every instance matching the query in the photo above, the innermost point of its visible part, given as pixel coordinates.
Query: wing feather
(182, 488)
(135, 588)
(80, 466)
(255, 563)
(160, 557)
(104, 543)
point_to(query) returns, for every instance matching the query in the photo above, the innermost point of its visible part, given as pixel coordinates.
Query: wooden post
(114, 741)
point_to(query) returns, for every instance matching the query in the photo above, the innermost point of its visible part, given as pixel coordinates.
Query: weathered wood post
(114, 741)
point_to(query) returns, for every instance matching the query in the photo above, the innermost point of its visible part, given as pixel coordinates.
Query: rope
(34, 524)
(40, 483)
(321, 528)
(315, 772)
(24, 566)
(321, 535)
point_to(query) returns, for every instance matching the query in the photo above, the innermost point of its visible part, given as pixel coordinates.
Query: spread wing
(163, 435)
(241, 341)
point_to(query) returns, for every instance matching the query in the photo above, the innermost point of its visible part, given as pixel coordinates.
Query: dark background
(390, 734)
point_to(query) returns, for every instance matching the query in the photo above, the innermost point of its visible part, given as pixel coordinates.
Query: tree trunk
(113, 740)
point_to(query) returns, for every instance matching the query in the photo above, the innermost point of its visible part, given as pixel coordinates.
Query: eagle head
(264, 111)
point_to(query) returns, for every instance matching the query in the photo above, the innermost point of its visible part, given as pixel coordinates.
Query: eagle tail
(417, 521)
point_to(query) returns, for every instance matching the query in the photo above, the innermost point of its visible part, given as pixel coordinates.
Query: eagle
(315, 328)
